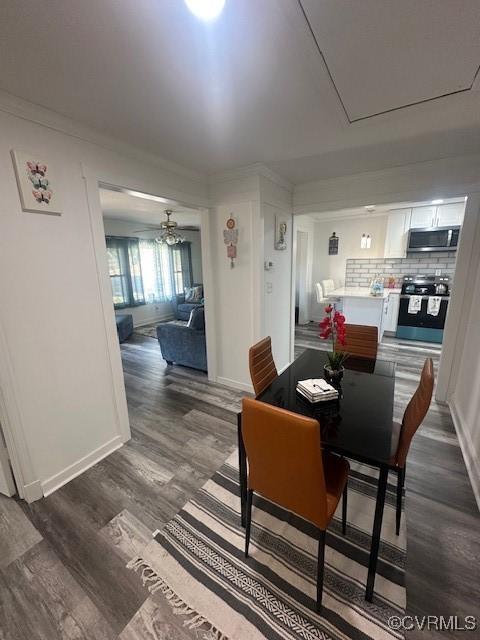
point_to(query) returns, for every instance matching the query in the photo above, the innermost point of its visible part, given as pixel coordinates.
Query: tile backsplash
(360, 272)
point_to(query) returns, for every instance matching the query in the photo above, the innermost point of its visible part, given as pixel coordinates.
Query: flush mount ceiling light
(206, 10)
(370, 208)
(438, 201)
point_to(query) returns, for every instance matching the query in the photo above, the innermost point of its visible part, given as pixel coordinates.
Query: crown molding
(45, 117)
(248, 171)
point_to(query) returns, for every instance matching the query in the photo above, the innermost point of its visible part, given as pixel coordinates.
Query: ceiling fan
(169, 230)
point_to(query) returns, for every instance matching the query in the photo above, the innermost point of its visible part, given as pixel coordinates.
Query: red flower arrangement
(333, 326)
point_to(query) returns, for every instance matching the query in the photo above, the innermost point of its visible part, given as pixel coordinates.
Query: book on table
(317, 390)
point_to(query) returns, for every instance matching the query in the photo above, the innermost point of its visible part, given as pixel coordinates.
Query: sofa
(182, 308)
(124, 326)
(185, 344)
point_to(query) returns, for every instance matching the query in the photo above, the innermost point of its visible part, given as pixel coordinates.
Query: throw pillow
(189, 294)
(197, 319)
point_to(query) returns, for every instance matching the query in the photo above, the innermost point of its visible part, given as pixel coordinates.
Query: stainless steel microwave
(433, 239)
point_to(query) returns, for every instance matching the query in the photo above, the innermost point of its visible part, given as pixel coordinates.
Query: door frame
(93, 180)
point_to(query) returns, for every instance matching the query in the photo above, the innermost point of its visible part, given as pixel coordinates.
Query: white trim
(467, 447)
(33, 491)
(247, 171)
(235, 384)
(32, 112)
(72, 471)
(12, 423)
(206, 245)
(105, 299)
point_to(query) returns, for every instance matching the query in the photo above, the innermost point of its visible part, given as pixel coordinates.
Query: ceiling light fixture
(438, 201)
(169, 235)
(206, 10)
(370, 207)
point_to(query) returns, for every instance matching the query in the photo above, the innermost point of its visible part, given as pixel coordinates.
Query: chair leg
(248, 520)
(344, 509)
(400, 483)
(320, 569)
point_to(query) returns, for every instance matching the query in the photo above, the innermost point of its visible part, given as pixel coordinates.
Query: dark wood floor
(62, 559)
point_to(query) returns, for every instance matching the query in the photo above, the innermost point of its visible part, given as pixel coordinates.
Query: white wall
(464, 398)
(465, 401)
(349, 233)
(276, 201)
(58, 363)
(153, 312)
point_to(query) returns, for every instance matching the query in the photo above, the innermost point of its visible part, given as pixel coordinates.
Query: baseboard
(468, 450)
(164, 318)
(72, 471)
(33, 491)
(235, 384)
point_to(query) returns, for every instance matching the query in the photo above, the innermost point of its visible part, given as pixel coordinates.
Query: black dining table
(357, 426)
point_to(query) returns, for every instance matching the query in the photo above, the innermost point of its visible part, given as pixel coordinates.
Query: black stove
(423, 307)
(426, 285)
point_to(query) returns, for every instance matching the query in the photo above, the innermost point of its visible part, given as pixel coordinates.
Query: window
(182, 266)
(156, 271)
(125, 272)
(144, 271)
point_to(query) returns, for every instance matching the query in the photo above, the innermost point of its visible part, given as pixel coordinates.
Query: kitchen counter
(359, 307)
(360, 292)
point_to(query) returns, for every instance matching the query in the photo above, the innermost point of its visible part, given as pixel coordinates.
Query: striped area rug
(197, 562)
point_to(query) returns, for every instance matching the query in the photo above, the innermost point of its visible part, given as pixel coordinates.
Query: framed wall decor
(280, 234)
(333, 245)
(38, 183)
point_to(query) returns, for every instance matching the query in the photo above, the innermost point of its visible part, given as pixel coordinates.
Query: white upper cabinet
(396, 235)
(450, 214)
(423, 217)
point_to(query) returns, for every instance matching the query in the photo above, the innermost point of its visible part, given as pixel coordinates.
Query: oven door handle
(409, 295)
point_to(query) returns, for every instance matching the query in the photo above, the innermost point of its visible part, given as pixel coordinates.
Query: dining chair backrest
(328, 286)
(415, 412)
(262, 366)
(319, 293)
(285, 461)
(360, 341)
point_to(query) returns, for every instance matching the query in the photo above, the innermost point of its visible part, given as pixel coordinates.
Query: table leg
(377, 528)
(242, 467)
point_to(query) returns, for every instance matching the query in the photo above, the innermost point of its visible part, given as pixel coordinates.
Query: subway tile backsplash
(360, 272)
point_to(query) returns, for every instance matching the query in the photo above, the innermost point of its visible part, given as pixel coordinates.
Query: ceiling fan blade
(149, 229)
(188, 227)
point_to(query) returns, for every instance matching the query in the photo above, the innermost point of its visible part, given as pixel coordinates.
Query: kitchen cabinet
(391, 307)
(450, 215)
(423, 217)
(396, 234)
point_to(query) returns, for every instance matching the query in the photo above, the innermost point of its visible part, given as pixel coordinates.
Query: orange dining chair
(262, 366)
(403, 433)
(360, 341)
(287, 466)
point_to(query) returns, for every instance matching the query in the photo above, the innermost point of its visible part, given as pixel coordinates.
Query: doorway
(301, 278)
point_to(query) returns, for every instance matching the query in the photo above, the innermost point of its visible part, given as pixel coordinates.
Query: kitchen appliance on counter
(433, 239)
(423, 308)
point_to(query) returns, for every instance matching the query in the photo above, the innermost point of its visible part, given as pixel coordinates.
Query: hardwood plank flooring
(63, 574)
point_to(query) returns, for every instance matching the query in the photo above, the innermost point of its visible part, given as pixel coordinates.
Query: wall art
(280, 234)
(38, 183)
(230, 238)
(333, 245)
